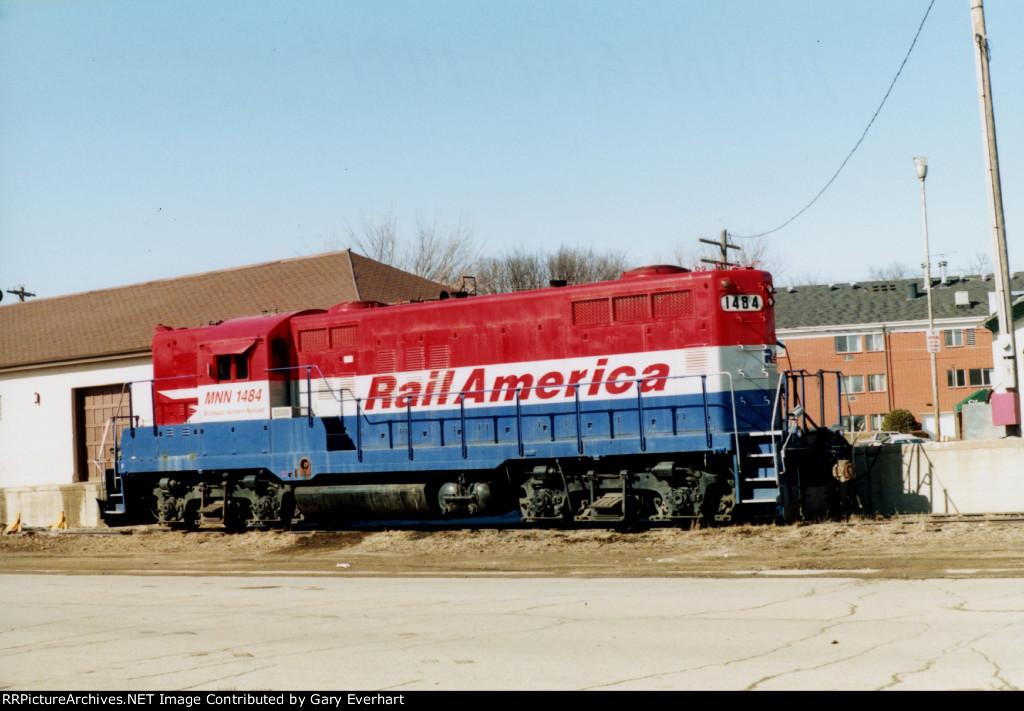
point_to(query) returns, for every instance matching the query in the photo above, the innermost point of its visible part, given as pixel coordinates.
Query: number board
(741, 302)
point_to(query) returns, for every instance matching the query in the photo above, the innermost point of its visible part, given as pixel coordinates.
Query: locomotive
(655, 397)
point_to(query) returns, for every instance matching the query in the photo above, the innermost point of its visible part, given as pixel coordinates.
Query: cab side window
(223, 367)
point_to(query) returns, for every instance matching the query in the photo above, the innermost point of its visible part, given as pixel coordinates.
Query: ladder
(760, 466)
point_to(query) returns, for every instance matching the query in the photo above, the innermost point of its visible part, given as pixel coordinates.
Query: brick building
(875, 333)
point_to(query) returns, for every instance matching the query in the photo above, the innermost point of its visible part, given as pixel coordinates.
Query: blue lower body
(464, 440)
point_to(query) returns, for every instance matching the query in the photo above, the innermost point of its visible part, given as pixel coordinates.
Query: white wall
(946, 419)
(979, 476)
(37, 439)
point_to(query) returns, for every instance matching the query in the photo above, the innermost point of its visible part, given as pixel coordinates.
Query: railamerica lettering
(480, 386)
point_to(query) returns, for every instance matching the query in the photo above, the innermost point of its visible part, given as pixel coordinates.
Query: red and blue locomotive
(655, 396)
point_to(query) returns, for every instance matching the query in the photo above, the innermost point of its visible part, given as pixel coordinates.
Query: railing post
(359, 431)
(408, 425)
(704, 400)
(640, 415)
(462, 425)
(839, 402)
(803, 398)
(579, 427)
(309, 395)
(821, 397)
(519, 423)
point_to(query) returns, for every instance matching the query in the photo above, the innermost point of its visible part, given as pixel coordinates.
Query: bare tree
(516, 271)
(378, 240)
(445, 253)
(757, 253)
(575, 265)
(441, 253)
(980, 263)
(895, 270)
(520, 270)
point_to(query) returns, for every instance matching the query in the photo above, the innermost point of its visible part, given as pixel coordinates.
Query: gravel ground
(899, 547)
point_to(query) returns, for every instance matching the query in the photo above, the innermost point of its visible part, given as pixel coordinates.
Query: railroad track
(905, 520)
(913, 519)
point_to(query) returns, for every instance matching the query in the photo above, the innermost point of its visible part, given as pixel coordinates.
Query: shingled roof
(120, 321)
(887, 302)
(1016, 314)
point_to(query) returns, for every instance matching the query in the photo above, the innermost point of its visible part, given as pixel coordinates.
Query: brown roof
(121, 320)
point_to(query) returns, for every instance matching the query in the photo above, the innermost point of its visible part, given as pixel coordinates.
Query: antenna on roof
(20, 292)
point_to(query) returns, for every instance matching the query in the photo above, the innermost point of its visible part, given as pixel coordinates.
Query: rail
(781, 411)
(782, 396)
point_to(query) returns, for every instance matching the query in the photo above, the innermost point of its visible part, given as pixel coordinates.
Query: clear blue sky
(144, 140)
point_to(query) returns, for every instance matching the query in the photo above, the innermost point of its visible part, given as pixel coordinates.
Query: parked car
(877, 438)
(905, 439)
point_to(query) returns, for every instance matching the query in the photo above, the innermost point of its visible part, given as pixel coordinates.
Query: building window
(856, 423)
(978, 377)
(874, 342)
(975, 377)
(953, 338)
(853, 383)
(876, 422)
(848, 344)
(876, 383)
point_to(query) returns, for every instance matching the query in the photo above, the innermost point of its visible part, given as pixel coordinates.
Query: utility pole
(921, 166)
(995, 194)
(724, 245)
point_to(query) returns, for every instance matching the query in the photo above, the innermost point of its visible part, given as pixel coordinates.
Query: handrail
(778, 459)
(640, 417)
(460, 397)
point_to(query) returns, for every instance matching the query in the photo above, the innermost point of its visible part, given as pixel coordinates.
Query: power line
(859, 140)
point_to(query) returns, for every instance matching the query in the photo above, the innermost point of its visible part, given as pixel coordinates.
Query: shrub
(899, 421)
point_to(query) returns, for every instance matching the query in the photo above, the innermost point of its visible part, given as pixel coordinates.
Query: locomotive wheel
(237, 515)
(189, 518)
(718, 505)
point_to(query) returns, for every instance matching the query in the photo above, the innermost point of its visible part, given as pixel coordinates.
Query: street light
(921, 166)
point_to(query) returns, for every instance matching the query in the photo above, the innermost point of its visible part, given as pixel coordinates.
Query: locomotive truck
(655, 396)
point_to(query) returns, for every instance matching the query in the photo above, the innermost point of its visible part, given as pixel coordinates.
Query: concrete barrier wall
(40, 506)
(979, 476)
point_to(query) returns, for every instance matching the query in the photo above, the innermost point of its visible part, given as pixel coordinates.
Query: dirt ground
(905, 547)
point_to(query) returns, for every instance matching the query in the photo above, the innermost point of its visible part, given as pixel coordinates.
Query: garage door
(94, 431)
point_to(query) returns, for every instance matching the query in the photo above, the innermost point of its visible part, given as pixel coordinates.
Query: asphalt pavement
(333, 632)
